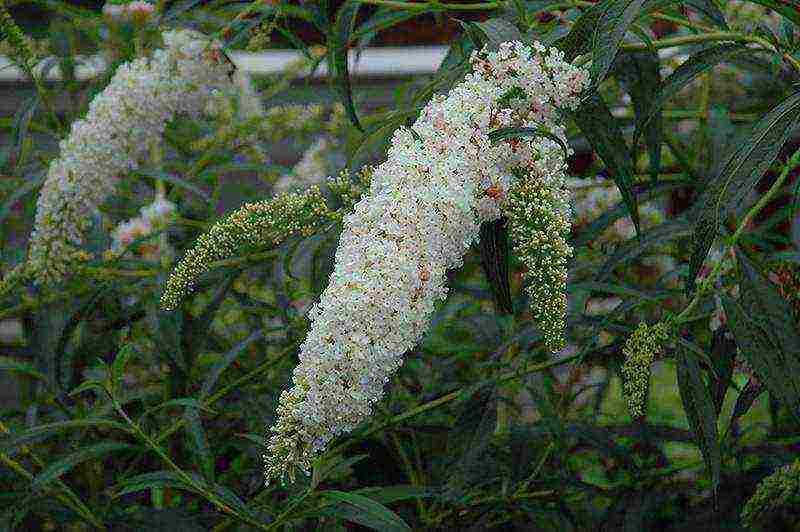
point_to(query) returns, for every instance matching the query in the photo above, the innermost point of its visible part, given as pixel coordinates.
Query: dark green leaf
(177, 181)
(527, 132)
(13, 441)
(65, 464)
(608, 34)
(630, 250)
(492, 32)
(747, 398)
(580, 37)
(390, 494)
(744, 168)
(698, 63)
(338, 46)
(364, 511)
(602, 131)
(199, 443)
(787, 8)
(700, 412)
(639, 73)
(765, 332)
(127, 352)
(18, 366)
(723, 356)
(157, 479)
(213, 375)
(494, 258)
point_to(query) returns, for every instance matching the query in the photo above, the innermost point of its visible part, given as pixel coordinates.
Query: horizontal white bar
(388, 61)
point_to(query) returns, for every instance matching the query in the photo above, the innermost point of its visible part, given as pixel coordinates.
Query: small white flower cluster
(114, 137)
(128, 11)
(442, 178)
(153, 217)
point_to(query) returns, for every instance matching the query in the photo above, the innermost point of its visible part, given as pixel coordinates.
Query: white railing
(371, 62)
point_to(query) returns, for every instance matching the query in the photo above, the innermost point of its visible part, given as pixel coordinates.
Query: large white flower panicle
(114, 137)
(442, 178)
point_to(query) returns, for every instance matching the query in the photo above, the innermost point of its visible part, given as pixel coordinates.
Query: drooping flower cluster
(640, 352)
(114, 137)
(442, 178)
(779, 490)
(153, 217)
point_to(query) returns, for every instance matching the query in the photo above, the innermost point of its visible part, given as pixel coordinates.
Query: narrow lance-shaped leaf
(65, 464)
(698, 63)
(492, 32)
(700, 412)
(364, 511)
(609, 32)
(494, 259)
(762, 350)
(751, 391)
(579, 39)
(639, 73)
(339, 43)
(527, 132)
(602, 131)
(743, 169)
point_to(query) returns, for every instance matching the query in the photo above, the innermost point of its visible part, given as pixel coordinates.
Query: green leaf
(527, 132)
(787, 8)
(747, 398)
(199, 443)
(723, 357)
(492, 32)
(213, 375)
(156, 479)
(177, 181)
(494, 259)
(700, 412)
(65, 464)
(390, 494)
(630, 250)
(743, 169)
(765, 332)
(639, 73)
(120, 361)
(338, 46)
(602, 131)
(580, 37)
(364, 511)
(186, 402)
(12, 442)
(18, 366)
(608, 34)
(697, 63)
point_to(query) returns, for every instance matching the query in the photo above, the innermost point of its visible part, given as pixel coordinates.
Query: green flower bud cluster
(17, 41)
(780, 489)
(640, 351)
(265, 223)
(539, 224)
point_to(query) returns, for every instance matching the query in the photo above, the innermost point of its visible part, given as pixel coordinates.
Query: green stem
(188, 479)
(708, 284)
